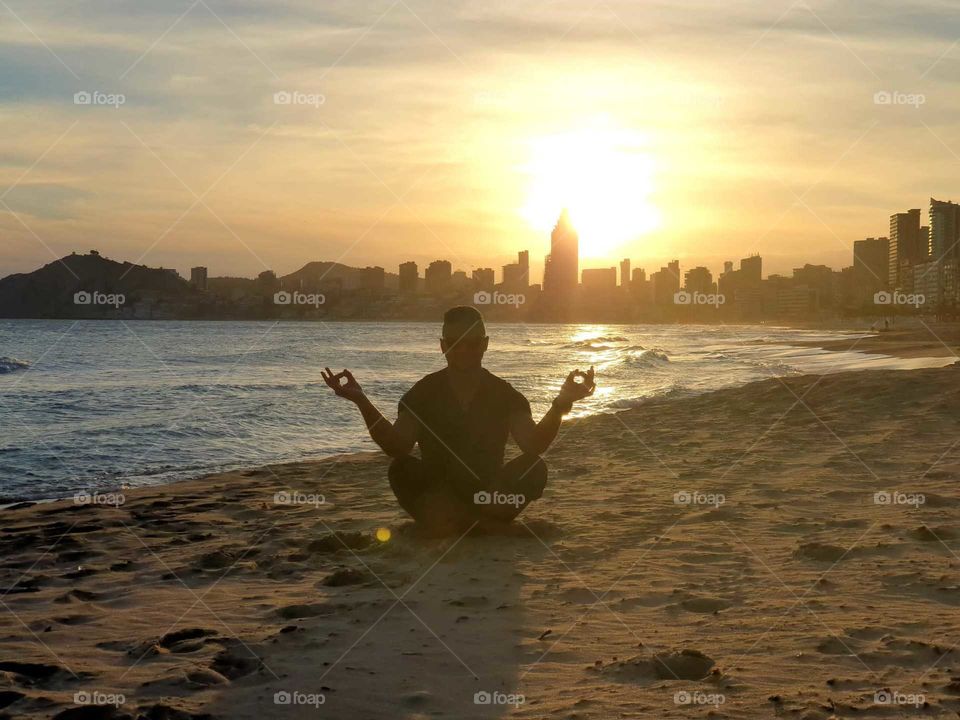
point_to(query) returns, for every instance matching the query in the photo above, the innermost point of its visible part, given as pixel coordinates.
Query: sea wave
(671, 393)
(647, 358)
(598, 342)
(9, 365)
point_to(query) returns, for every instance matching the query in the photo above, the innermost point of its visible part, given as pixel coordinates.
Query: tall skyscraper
(904, 248)
(409, 278)
(944, 230)
(523, 260)
(625, 273)
(561, 273)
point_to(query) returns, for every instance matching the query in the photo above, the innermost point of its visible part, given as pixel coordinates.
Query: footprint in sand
(704, 604)
(293, 612)
(682, 665)
(935, 535)
(77, 595)
(340, 541)
(342, 577)
(822, 552)
(29, 674)
(233, 665)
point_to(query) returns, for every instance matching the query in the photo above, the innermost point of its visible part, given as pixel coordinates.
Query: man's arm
(395, 439)
(534, 438)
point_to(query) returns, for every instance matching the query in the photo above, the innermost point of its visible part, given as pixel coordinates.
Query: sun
(603, 175)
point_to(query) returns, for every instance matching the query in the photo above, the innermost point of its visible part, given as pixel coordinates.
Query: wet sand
(929, 340)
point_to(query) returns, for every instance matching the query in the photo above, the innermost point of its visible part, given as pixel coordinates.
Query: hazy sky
(426, 129)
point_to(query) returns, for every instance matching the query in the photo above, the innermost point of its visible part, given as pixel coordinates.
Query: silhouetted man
(461, 417)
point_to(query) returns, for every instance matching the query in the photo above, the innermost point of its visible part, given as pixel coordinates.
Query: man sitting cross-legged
(461, 417)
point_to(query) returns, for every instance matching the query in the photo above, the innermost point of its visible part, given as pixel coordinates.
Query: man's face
(464, 346)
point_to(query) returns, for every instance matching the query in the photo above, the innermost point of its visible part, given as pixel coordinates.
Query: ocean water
(92, 405)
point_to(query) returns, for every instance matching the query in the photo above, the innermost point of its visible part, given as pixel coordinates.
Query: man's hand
(571, 391)
(350, 389)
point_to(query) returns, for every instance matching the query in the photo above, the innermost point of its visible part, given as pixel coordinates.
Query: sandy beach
(788, 548)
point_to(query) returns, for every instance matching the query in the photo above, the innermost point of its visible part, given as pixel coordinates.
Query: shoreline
(934, 342)
(903, 344)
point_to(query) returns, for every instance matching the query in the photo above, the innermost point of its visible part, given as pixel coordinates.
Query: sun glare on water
(603, 176)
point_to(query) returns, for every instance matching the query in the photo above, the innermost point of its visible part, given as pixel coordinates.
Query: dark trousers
(433, 501)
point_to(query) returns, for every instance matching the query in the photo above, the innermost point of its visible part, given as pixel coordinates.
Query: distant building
(944, 230)
(699, 280)
(561, 270)
(516, 276)
(198, 278)
(871, 259)
(437, 277)
(625, 273)
(483, 278)
(945, 250)
(665, 283)
(409, 278)
(752, 268)
(928, 281)
(640, 286)
(797, 301)
(371, 278)
(743, 286)
(599, 279)
(459, 281)
(905, 248)
(818, 278)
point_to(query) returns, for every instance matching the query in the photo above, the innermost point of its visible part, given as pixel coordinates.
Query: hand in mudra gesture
(350, 389)
(571, 390)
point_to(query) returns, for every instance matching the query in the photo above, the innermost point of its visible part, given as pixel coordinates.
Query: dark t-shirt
(463, 447)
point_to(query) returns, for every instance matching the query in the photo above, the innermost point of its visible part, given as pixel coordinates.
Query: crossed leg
(434, 504)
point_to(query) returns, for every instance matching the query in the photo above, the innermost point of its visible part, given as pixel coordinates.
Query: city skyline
(876, 259)
(200, 134)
